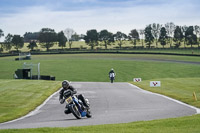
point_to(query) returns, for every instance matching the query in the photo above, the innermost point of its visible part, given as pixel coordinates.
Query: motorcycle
(112, 77)
(75, 106)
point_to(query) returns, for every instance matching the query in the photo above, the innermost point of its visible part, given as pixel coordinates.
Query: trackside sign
(137, 80)
(155, 83)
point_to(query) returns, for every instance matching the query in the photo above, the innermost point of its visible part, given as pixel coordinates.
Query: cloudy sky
(20, 16)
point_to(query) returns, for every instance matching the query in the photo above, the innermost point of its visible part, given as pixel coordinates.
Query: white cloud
(114, 19)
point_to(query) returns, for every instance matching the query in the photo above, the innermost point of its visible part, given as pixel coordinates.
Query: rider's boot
(67, 111)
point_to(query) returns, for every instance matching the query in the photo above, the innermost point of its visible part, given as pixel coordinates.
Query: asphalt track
(110, 103)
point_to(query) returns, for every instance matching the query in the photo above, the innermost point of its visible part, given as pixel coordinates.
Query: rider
(65, 86)
(112, 74)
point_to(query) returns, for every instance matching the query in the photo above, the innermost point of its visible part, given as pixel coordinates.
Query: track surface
(110, 103)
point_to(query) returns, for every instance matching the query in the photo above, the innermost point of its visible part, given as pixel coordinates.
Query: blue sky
(19, 16)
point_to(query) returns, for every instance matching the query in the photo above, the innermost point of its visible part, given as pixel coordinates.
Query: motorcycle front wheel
(111, 79)
(73, 108)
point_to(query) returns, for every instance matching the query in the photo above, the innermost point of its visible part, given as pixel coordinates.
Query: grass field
(95, 67)
(18, 97)
(178, 80)
(79, 44)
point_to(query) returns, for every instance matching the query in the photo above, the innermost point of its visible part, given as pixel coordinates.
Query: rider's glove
(62, 101)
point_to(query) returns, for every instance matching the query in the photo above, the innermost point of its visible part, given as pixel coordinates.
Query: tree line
(169, 33)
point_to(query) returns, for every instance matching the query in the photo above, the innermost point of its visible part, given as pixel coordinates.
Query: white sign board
(155, 83)
(137, 80)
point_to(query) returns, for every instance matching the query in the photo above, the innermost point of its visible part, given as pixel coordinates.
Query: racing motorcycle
(75, 106)
(112, 77)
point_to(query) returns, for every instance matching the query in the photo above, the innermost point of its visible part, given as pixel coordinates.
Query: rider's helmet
(112, 69)
(65, 84)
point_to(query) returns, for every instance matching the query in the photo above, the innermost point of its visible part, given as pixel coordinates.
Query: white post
(31, 67)
(38, 71)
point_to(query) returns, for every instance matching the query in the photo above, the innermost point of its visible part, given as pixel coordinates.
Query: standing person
(112, 75)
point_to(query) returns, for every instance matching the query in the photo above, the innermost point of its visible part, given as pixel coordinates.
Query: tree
(68, 33)
(61, 39)
(120, 37)
(170, 27)
(18, 42)
(29, 36)
(74, 37)
(184, 29)
(163, 36)
(190, 37)
(47, 37)
(8, 42)
(32, 45)
(91, 38)
(197, 32)
(106, 37)
(178, 36)
(1, 34)
(156, 32)
(141, 31)
(148, 35)
(134, 36)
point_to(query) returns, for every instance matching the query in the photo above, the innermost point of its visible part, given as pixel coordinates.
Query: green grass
(95, 67)
(178, 88)
(18, 97)
(174, 125)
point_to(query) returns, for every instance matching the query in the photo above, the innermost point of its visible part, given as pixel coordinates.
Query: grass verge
(18, 97)
(189, 124)
(178, 88)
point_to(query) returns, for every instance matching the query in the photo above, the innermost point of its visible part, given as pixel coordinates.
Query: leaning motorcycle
(75, 106)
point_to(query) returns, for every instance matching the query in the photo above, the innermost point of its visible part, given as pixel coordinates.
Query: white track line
(34, 111)
(145, 91)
